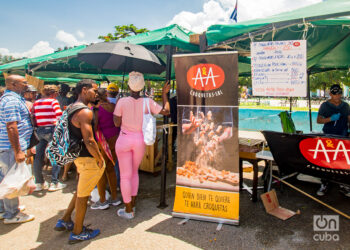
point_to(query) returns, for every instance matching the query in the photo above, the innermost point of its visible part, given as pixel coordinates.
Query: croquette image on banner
(207, 174)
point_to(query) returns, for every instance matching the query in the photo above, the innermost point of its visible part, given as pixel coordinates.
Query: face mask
(112, 99)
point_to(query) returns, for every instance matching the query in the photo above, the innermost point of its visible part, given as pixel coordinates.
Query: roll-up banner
(207, 174)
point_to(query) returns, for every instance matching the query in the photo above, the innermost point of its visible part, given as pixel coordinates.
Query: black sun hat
(336, 89)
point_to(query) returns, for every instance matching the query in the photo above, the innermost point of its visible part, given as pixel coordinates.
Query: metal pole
(309, 97)
(162, 202)
(290, 105)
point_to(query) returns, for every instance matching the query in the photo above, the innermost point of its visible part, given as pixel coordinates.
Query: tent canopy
(328, 41)
(176, 36)
(173, 35)
(327, 9)
(24, 63)
(65, 64)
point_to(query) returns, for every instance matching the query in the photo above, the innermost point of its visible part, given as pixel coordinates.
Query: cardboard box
(36, 82)
(194, 39)
(273, 207)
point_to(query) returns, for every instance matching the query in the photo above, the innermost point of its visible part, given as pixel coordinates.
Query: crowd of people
(110, 144)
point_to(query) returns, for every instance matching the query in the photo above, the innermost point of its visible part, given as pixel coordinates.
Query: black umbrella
(120, 56)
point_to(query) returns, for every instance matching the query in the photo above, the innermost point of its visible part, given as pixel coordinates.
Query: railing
(281, 102)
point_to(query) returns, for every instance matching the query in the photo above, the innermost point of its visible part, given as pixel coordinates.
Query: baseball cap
(31, 88)
(112, 87)
(336, 89)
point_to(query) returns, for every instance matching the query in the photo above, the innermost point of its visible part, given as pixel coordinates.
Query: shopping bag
(95, 197)
(148, 125)
(17, 182)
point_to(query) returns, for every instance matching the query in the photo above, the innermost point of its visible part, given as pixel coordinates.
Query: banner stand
(207, 173)
(205, 218)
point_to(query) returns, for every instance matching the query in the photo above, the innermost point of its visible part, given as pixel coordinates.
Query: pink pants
(130, 149)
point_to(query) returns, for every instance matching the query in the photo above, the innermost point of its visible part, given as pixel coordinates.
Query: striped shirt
(14, 109)
(46, 112)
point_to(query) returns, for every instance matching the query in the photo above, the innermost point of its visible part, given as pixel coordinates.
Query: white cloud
(218, 12)
(39, 49)
(43, 47)
(68, 39)
(4, 51)
(80, 34)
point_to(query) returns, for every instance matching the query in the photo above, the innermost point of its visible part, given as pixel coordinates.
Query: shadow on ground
(106, 220)
(258, 229)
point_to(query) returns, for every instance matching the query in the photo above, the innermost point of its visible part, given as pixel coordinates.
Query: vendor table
(252, 158)
(249, 142)
(267, 156)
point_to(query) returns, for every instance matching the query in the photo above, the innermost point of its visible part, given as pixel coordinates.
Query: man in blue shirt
(335, 115)
(15, 132)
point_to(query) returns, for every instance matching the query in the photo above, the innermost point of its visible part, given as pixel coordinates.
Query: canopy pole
(123, 81)
(124, 74)
(162, 203)
(309, 99)
(28, 71)
(290, 105)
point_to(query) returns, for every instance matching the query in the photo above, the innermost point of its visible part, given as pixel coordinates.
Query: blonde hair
(49, 90)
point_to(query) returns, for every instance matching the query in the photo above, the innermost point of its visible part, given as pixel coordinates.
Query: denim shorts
(7, 161)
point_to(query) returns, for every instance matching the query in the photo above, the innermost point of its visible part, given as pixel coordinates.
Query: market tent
(97, 77)
(337, 58)
(24, 64)
(173, 35)
(64, 64)
(176, 36)
(327, 40)
(326, 9)
(156, 41)
(16, 65)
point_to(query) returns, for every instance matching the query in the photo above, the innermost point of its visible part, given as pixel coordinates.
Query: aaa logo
(327, 152)
(205, 77)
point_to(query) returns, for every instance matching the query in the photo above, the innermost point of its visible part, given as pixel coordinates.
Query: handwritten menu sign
(279, 68)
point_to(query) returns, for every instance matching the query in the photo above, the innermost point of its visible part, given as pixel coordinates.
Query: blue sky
(25, 22)
(30, 28)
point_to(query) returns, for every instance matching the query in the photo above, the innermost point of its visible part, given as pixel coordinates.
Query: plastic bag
(148, 125)
(95, 197)
(17, 182)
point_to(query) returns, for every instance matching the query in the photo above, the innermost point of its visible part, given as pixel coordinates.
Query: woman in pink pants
(130, 146)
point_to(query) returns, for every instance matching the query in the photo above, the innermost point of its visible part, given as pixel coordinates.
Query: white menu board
(279, 68)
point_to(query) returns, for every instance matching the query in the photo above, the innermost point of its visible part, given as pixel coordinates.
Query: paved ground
(154, 228)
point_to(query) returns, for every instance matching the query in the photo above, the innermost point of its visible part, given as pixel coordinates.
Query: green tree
(245, 81)
(122, 31)
(6, 59)
(326, 79)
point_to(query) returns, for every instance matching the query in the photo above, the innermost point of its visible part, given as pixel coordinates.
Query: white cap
(136, 81)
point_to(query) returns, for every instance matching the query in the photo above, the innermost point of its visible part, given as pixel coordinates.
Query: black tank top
(76, 133)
